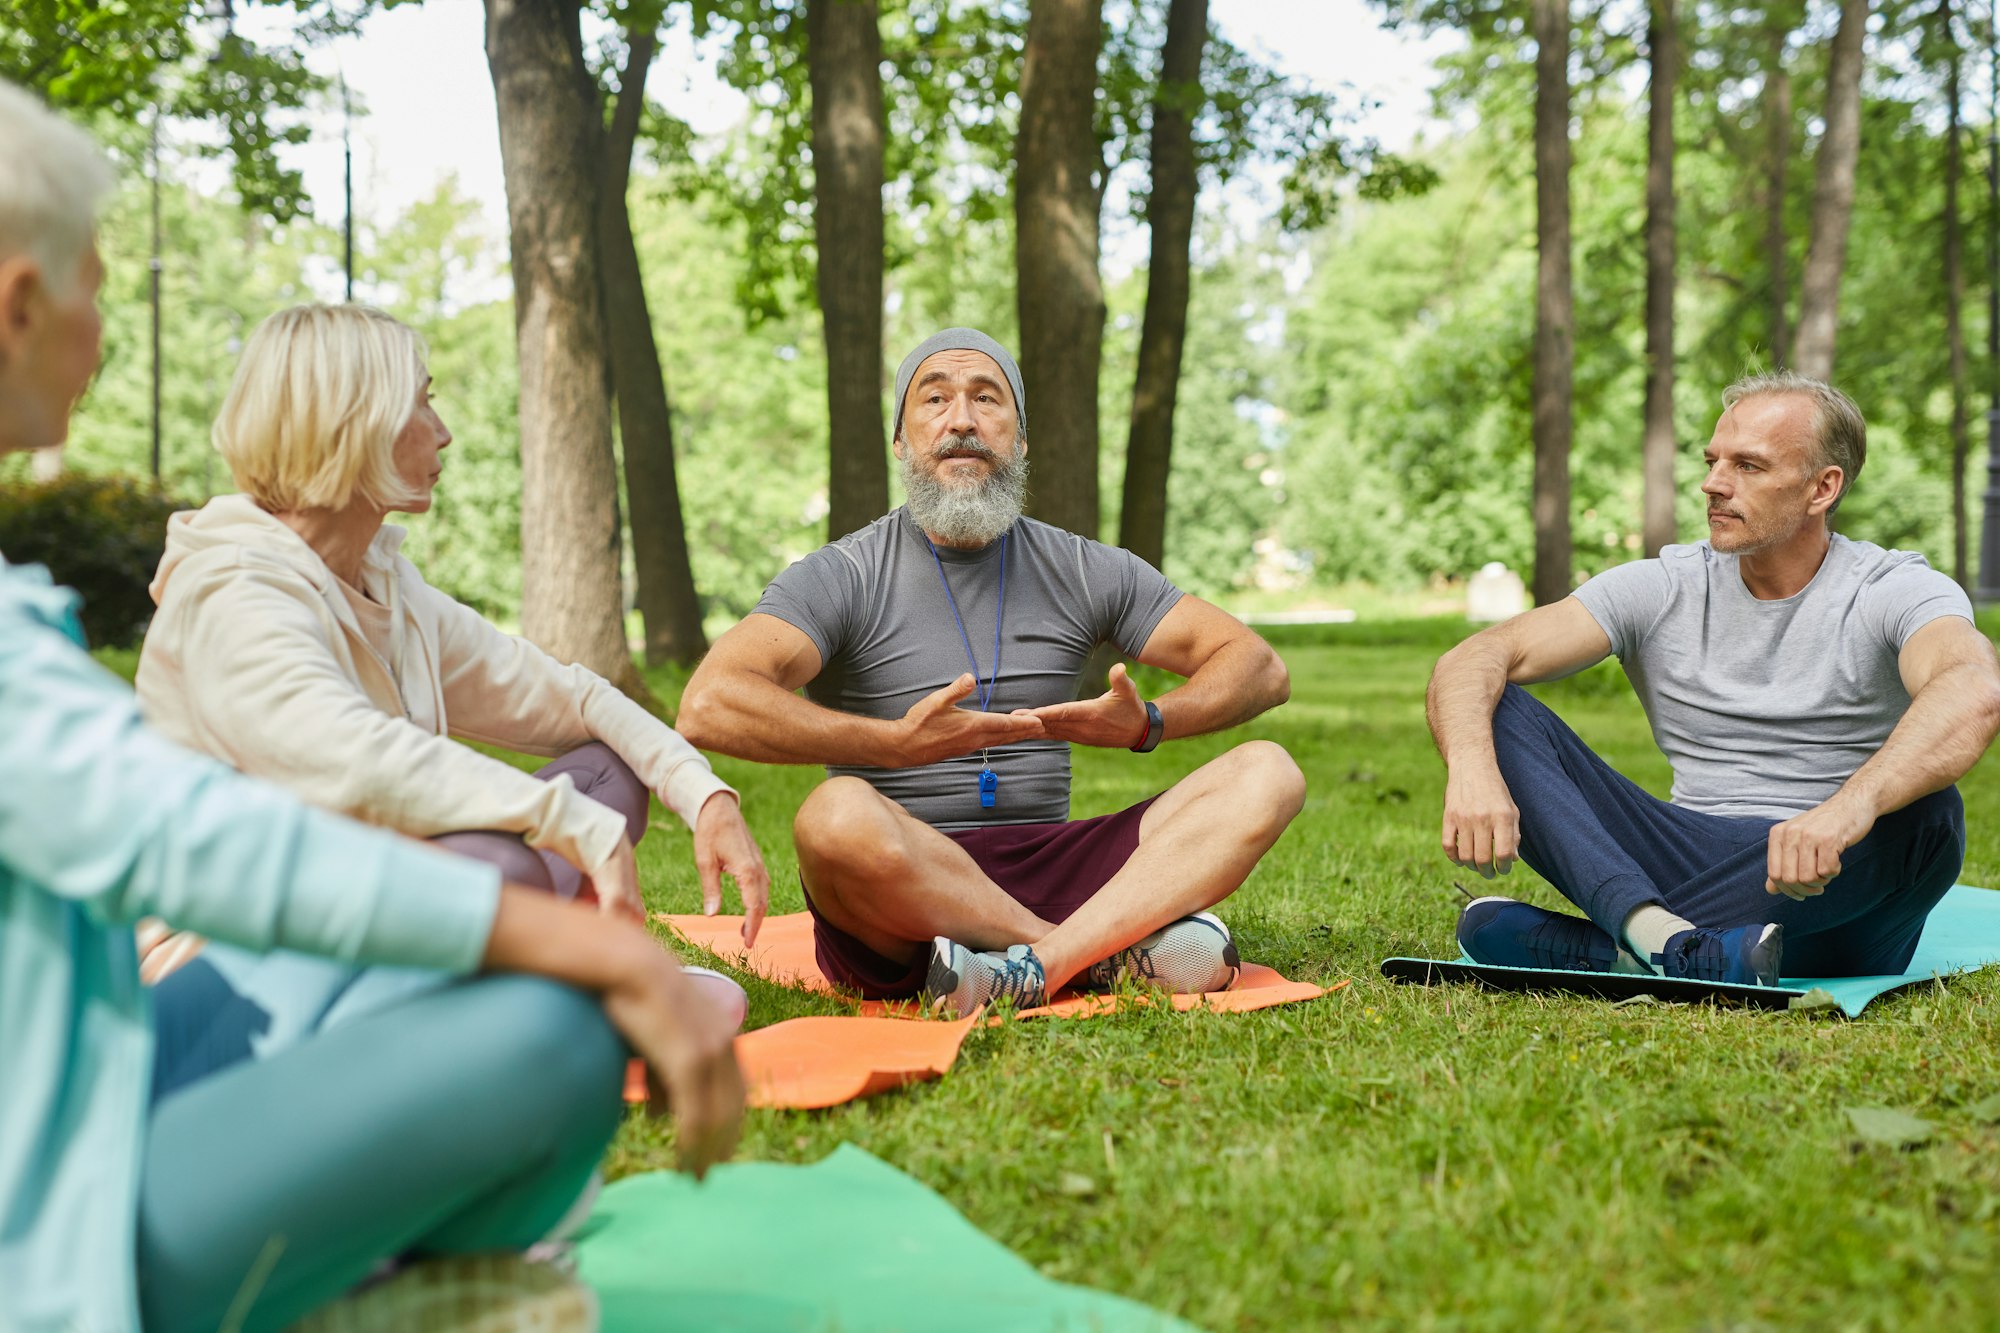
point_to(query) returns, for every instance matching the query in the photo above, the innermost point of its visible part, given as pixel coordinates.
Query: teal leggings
(467, 1117)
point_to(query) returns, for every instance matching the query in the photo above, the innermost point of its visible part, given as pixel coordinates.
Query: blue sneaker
(960, 980)
(1507, 933)
(1742, 955)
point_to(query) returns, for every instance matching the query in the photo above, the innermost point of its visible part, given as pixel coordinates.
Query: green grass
(1410, 1158)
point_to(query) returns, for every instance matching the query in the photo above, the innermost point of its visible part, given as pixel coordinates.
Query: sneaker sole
(942, 979)
(1767, 955)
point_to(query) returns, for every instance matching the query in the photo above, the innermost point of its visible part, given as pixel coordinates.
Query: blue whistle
(989, 788)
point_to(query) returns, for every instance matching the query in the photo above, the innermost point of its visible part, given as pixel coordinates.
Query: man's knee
(1268, 780)
(1523, 725)
(517, 862)
(845, 830)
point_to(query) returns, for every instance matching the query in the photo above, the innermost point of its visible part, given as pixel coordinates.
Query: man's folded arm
(1953, 678)
(1547, 643)
(1231, 674)
(741, 702)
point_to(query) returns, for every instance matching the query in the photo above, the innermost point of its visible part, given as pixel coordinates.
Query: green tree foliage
(130, 61)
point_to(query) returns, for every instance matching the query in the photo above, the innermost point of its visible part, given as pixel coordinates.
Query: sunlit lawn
(1402, 1158)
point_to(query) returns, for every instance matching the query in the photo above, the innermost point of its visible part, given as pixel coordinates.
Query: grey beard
(968, 516)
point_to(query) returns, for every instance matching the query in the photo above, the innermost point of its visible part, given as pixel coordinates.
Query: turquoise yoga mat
(848, 1243)
(1962, 935)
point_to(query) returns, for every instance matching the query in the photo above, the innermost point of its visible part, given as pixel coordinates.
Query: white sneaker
(721, 991)
(1191, 956)
(960, 980)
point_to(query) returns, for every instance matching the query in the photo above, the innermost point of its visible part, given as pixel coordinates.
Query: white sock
(1647, 931)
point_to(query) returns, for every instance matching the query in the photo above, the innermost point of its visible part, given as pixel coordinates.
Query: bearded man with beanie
(940, 650)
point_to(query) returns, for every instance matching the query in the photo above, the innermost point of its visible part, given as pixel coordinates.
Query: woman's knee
(555, 1047)
(597, 771)
(517, 862)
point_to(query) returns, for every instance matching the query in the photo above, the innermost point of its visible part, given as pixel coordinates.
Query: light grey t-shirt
(873, 606)
(1764, 708)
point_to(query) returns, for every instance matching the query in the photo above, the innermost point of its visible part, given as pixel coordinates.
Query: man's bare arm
(740, 701)
(1954, 683)
(1482, 825)
(1231, 674)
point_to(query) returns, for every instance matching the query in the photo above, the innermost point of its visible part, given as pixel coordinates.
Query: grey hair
(52, 177)
(1839, 435)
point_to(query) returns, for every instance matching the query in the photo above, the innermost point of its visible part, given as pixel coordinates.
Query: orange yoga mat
(784, 954)
(810, 1063)
(824, 1061)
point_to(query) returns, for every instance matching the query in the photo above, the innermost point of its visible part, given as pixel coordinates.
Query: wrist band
(1155, 727)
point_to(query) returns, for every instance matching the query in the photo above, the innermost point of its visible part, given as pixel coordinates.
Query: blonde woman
(295, 643)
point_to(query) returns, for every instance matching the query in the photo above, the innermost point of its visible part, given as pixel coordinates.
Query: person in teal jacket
(462, 1120)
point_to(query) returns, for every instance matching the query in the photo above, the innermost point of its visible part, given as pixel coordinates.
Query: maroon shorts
(1050, 869)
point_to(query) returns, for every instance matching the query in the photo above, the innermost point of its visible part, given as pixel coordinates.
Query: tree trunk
(1778, 126)
(1663, 51)
(1954, 295)
(844, 55)
(668, 603)
(1060, 295)
(549, 131)
(1833, 198)
(1170, 214)
(1554, 326)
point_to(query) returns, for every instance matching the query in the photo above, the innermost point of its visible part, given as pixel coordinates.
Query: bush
(100, 535)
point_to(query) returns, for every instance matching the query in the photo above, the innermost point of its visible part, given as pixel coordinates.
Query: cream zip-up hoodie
(256, 658)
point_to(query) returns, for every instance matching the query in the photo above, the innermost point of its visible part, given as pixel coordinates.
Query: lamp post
(347, 182)
(1989, 534)
(153, 268)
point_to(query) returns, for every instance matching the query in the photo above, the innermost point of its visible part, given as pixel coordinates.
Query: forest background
(1354, 414)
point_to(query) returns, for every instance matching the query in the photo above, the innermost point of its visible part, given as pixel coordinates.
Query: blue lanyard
(999, 618)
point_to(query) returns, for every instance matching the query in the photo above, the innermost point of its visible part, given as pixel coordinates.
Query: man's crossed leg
(883, 885)
(1612, 849)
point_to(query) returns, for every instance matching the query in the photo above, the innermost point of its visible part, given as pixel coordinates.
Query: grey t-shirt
(873, 606)
(1764, 708)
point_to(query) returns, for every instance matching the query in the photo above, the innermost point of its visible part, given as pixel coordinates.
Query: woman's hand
(687, 1043)
(616, 884)
(690, 1055)
(723, 845)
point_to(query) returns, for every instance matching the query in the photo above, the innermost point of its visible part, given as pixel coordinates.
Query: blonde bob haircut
(318, 400)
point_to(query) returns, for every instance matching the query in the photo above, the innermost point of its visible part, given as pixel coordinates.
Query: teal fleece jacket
(102, 822)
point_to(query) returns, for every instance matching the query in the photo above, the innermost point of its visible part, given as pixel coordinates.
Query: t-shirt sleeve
(1626, 601)
(1908, 595)
(818, 596)
(1130, 597)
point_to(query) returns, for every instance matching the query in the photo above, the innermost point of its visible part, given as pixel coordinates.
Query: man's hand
(723, 846)
(616, 884)
(1482, 825)
(1115, 719)
(690, 1055)
(937, 728)
(1805, 850)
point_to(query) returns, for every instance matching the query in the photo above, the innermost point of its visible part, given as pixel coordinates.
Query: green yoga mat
(1962, 934)
(849, 1243)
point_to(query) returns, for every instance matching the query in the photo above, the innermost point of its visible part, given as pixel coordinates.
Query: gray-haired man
(940, 649)
(1817, 698)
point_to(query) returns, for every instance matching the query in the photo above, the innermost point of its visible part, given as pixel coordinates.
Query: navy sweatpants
(1610, 846)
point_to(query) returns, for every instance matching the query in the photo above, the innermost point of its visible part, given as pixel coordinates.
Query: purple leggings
(596, 772)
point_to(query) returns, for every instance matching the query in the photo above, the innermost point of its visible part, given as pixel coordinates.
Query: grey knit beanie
(958, 340)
